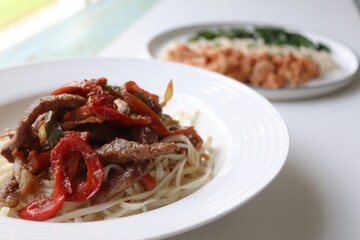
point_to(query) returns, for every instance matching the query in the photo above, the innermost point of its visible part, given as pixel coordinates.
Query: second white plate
(346, 60)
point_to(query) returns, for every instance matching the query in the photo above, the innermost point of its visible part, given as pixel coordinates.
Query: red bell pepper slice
(84, 190)
(132, 87)
(91, 89)
(118, 118)
(194, 137)
(76, 90)
(45, 207)
(137, 106)
(78, 114)
(38, 161)
(83, 135)
(71, 165)
(157, 125)
(73, 158)
(80, 87)
(148, 182)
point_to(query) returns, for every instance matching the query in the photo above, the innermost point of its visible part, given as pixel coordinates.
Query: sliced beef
(143, 134)
(122, 151)
(99, 133)
(24, 136)
(9, 193)
(120, 182)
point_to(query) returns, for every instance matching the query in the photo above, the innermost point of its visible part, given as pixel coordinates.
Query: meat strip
(120, 182)
(121, 151)
(24, 137)
(143, 134)
(99, 133)
(9, 193)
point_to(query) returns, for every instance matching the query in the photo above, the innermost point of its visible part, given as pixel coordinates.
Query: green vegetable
(278, 36)
(240, 33)
(53, 129)
(322, 47)
(205, 34)
(270, 35)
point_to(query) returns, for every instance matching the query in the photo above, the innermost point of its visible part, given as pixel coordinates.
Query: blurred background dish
(344, 60)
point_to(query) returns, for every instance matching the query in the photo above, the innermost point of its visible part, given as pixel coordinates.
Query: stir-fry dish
(93, 151)
(265, 57)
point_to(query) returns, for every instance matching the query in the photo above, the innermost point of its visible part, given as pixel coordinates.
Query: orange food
(258, 69)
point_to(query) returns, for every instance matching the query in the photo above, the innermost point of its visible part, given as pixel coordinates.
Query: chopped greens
(232, 33)
(53, 129)
(270, 35)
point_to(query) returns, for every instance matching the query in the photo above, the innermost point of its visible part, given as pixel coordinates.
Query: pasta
(177, 174)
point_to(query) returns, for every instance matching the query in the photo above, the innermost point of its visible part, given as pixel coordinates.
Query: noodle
(4, 211)
(5, 166)
(177, 175)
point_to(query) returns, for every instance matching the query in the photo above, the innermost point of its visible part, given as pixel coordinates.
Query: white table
(317, 195)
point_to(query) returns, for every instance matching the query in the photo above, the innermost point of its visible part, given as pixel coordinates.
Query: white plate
(250, 142)
(346, 60)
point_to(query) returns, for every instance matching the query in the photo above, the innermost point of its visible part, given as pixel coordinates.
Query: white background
(317, 195)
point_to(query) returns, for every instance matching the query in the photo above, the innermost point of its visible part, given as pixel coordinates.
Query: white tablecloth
(317, 195)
